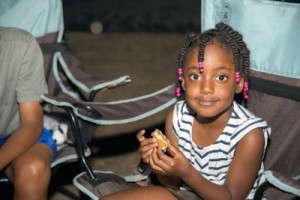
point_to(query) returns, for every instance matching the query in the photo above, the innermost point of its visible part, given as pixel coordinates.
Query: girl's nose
(206, 86)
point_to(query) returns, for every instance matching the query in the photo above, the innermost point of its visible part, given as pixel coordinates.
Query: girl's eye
(194, 77)
(222, 78)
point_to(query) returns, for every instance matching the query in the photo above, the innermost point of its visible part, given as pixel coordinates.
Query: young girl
(216, 145)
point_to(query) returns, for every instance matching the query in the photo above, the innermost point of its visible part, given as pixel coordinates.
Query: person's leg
(30, 173)
(142, 193)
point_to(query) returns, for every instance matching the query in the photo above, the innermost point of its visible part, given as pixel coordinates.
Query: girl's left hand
(174, 164)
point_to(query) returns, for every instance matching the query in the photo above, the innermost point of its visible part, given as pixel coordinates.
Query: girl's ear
(240, 86)
(183, 84)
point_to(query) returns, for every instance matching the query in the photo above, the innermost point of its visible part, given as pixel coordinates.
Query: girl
(216, 145)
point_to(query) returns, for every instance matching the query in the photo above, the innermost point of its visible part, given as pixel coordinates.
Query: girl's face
(210, 94)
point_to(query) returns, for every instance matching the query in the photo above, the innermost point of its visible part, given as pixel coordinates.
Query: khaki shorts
(182, 194)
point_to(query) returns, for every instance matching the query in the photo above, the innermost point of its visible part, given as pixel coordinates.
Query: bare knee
(142, 193)
(35, 169)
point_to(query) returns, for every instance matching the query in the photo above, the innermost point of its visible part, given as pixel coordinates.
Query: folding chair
(271, 30)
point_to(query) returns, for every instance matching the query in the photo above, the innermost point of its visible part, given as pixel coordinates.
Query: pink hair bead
(180, 78)
(201, 68)
(246, 90)
(178, 91)
(237, 77)
(179, 70)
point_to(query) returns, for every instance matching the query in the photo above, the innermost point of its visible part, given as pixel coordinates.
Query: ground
(149, 59)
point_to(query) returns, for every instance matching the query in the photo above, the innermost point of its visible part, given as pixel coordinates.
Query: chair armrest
(282, 182)
(279, 181)
(87, 83)
(72, 112)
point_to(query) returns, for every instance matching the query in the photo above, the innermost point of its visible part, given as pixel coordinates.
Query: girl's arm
(31, 117)
(170, 181)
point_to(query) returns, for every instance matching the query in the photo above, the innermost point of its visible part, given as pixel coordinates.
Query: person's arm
(170, 181)
(241, 174)
(31, 117)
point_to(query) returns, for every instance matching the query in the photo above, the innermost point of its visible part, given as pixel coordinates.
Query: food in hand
(161, 139)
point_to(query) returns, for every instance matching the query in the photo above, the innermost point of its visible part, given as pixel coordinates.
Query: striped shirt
(213, 161)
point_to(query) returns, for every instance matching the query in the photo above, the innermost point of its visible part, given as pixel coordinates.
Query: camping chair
(273, 39)
(64, 73)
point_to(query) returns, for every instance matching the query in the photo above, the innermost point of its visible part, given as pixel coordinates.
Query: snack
(161, 139)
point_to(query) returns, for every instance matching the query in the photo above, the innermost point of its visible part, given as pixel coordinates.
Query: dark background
(133, 15)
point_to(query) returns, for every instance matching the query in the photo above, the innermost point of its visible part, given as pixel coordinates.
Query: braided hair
(228, 38)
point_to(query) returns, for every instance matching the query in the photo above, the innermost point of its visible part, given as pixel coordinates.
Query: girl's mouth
(207, 102)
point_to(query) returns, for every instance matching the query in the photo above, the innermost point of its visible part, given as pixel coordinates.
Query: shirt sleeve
(31, 82)
(248, 126)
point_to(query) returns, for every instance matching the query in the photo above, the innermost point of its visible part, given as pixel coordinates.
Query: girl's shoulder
(242, 117)
(182, 113)
(180, 103)
(242, 113)
(182, 106)
(243, 121)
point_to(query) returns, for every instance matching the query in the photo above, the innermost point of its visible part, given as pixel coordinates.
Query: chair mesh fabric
(105, 183)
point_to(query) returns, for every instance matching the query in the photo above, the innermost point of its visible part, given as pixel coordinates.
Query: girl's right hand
(147, 146)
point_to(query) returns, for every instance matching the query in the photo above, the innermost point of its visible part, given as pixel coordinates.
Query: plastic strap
(51, 48)
(275, 89)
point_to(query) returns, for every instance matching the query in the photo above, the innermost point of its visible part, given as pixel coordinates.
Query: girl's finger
(141, 139)
(147, 154)
(140, 136)
(172, 150)
(156, 168)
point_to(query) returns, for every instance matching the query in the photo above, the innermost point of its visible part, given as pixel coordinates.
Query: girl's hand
(147, 145)
(174, 164)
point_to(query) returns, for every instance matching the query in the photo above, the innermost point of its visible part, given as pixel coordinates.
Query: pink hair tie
(179, 70)
(237, 77)
(178, 91)
(201, 68)
(180, 78)
(246, 90)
